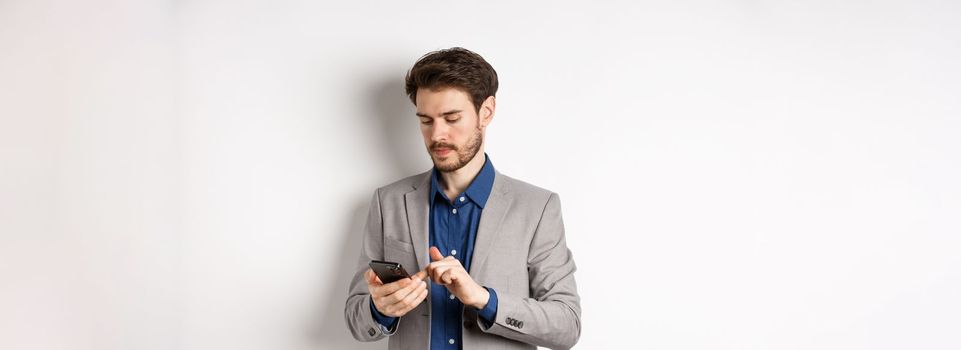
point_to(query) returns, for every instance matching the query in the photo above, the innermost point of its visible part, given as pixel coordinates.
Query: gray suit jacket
(520, 252)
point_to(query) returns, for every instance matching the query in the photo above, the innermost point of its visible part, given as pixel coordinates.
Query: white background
(734, 175)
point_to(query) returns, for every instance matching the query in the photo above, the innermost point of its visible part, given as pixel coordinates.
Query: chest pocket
(401, 252)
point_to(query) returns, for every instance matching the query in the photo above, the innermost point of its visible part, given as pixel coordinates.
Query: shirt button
(455, 210)
(453, 252)
(461, 198)
(450, 341)
(451, 297)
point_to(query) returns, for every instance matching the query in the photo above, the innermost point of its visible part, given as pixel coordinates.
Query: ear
(487, 111)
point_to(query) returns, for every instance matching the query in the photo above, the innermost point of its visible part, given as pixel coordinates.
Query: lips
(442, 151)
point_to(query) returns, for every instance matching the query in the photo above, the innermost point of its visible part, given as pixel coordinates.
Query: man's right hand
(397, 298)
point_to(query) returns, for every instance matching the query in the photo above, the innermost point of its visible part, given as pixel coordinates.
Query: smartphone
(388, 271)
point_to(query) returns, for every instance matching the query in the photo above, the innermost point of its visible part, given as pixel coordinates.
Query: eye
(453, 119)
(426, 121)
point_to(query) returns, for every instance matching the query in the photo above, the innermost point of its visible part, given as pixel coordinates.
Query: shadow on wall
(402, 151)
(402, 145)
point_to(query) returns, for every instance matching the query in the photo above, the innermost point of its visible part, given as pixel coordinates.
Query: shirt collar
(478, 191)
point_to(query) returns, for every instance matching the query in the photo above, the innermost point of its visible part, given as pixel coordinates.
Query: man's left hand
(448, 272)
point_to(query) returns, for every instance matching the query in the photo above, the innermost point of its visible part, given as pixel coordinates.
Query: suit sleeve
(551, 316)
(357, 309)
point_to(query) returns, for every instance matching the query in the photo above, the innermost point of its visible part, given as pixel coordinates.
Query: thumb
(371, 277)
(421, 275)
(435, 254)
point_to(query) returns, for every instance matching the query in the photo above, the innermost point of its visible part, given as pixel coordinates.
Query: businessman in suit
(493, 270)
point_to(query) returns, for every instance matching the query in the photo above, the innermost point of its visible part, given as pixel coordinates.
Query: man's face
(452, 130)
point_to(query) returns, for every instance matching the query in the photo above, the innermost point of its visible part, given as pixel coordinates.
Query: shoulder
(521, 189)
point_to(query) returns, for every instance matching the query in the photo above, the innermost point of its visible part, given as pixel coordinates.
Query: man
(492, 266)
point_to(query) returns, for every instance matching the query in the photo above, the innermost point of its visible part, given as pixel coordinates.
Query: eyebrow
(448, 113)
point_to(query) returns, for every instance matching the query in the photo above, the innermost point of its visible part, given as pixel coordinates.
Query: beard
(463, 154)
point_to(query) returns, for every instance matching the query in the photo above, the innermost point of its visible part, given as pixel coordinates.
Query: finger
(448, 276)
(373, 278)
(436, 268)
(433, 270)
(411, 288)
(439, 272)
(435, 254)
(445, 264)
(414, 293)
(390, 288)
(423, 295)
(400, 294)
(399, 301)
(420, 275)
(418, 298)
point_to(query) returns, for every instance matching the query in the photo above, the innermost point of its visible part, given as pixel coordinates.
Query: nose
(439, 132)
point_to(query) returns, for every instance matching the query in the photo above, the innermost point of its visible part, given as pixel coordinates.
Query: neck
(455, 182)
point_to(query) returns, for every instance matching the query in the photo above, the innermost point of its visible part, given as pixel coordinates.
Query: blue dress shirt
(453, 229)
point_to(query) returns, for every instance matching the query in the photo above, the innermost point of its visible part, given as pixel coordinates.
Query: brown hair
(455, 67)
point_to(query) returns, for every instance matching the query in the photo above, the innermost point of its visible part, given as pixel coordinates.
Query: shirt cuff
(386, 321)
(489, 313)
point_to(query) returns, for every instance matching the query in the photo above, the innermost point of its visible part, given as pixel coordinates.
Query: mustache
(434, 146)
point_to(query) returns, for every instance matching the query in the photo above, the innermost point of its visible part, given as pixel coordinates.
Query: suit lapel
(418, 209)
(498, 204)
